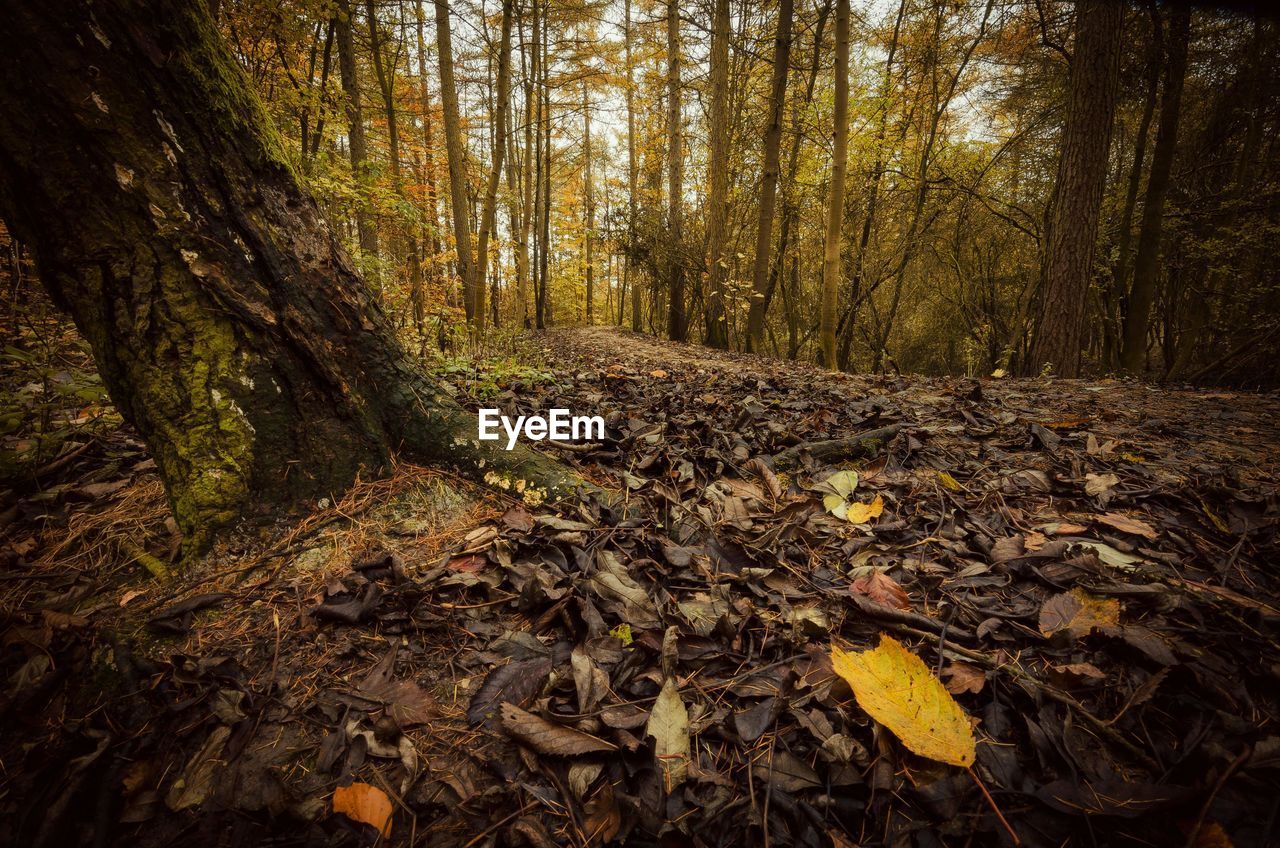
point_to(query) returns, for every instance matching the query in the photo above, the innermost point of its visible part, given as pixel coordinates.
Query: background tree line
(942, 187)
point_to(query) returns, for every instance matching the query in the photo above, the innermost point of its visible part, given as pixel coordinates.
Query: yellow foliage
(896, 688)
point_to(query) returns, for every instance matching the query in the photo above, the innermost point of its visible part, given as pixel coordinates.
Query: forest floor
(1088, 568)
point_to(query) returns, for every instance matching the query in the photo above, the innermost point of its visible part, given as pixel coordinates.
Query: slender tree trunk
(432, 240)
(873, 196)
(1146, 264)
(589, 201)
(455, 147)
(717, 331)
(835, 201)
(490, 210)
(677, 328)
(228, 324)
(544, 301)
(368, 233)
(1118, 294)
(1072, 221)
(630, 268)
(769, 179)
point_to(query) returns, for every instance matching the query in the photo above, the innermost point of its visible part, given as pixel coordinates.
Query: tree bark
(835, 200)
(589, 200)
(1118, 294)
(677, 328)
(1146, 264)
(227, 322)
(456, 151)
(630, 267)
(365, 228)
(1072, 221)
(432, 239)
(717, 331)
(769, 178)
(490, 210)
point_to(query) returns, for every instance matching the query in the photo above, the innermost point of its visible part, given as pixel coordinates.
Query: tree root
(868, 443)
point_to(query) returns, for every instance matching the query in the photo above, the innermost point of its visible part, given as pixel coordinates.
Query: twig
(834, 450)
(1217, 787)
(992, 803)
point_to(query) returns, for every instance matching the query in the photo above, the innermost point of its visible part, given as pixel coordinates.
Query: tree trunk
(717, 331)
(677, 328)
(1072, 221)
(769, 179)
(589, 199)
(227, 322)
(432, 240)
(365, 228)
(490, 211)
(630, 268)
(835, 201)
(1118, 294)
(456, 150)
(1146, 264)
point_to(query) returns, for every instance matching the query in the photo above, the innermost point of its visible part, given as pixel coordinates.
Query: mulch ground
(1088, 567)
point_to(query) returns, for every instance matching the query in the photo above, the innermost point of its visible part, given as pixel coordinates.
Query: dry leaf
(1099, 484)
(365, 804)
(658, 372)
(861, 513)
(882, 589)
(948, 482)
(895, 688)
(1125, 524)
(669, 727)
(1078, 613)
(547, 737)
(963, 677)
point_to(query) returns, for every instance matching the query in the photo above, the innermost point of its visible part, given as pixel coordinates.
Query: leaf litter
(1064, 587)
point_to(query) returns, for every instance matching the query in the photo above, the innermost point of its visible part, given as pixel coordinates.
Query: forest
(923, 482)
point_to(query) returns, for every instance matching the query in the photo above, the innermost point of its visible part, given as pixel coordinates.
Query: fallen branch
(868, 443)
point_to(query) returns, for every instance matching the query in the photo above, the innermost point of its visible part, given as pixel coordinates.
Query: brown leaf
(407, 702)
(515, 683)
(518, 518)
(547, 737)
(1078, 613)
(963, 677)
(882, 589)
(1010, 547)
(1125, 524)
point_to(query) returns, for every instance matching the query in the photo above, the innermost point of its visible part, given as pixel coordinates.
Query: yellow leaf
(948, 482)
(861, 513)
(896, 689)
(366, 804)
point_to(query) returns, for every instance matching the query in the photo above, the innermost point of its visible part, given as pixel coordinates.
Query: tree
(489, 213)
(1072, 220)
(365, 228)
(589, 201)
(835, 197)
(677, 328)
(1133, 353)
(629, 268)
(456, 152)
(769, 177)
(717, 330)
(228, 324)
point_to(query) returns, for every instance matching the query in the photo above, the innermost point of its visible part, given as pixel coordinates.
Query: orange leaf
(365, 804)
(882, 589)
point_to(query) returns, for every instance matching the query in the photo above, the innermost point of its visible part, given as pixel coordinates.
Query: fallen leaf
(948, 482)
(838, 488)
(1078, 614)
(1099, 484)
(669, 727)
(895, 688)
(547, 737)
(515, 683)
(861, 513)
(1125, 524)
(365, 804)
(658, 372)
(963, 677)
(882, 589)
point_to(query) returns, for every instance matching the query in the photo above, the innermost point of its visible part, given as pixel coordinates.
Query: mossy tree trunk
(228, 324)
